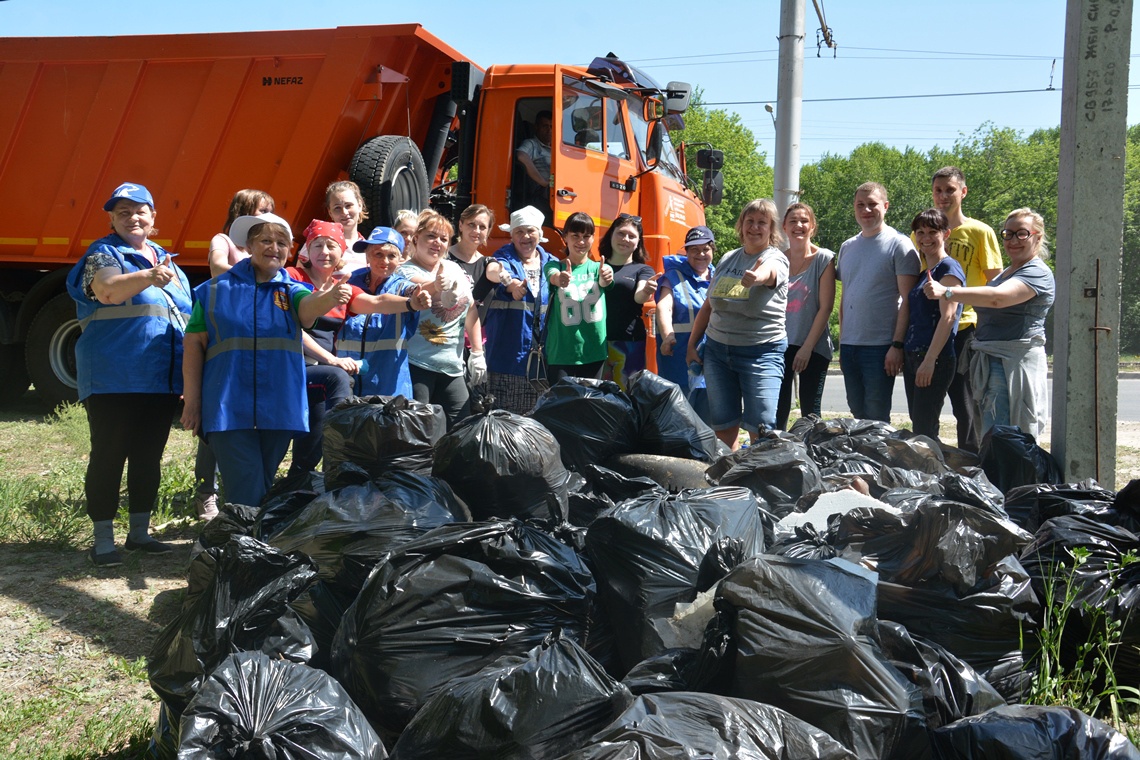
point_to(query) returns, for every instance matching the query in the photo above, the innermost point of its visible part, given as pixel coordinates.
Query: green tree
(746, 171)
(1130, 285)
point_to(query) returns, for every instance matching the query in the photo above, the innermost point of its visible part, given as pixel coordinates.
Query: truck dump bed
(195, 118)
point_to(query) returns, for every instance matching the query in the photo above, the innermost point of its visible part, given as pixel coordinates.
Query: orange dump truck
(197, 117)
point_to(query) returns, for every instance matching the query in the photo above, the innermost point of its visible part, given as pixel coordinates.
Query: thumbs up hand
(932, 288)
(161, 273)
(561, 278)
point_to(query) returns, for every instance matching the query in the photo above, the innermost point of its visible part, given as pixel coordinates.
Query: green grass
(68, 692)
(1088, 684)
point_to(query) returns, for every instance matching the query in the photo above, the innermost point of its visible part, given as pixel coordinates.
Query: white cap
(527, 216)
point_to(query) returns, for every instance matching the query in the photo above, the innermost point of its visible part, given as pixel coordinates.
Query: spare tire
(391, 174)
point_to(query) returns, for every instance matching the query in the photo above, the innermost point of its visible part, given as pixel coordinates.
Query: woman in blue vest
(680, 293)
(379, 342)
(244, 370)
(514, 309)
(132, 303)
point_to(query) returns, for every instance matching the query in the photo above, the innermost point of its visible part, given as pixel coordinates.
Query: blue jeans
(248, 461)
(995, 404)
(745, 377)
(869, 387)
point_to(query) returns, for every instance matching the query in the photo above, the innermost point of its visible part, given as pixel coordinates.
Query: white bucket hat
(527, 216)
(239, 229)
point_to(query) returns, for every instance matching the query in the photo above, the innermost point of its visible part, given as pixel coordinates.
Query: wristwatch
(897, 344)
(948, 293)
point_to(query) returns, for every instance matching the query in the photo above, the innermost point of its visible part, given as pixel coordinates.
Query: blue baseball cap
(129, 191)
(380, 236)
(698, 236)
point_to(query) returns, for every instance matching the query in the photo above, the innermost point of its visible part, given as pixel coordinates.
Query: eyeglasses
(1022, 234)
(624, 217)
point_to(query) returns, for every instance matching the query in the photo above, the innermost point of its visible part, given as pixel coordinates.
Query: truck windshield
(667, 161)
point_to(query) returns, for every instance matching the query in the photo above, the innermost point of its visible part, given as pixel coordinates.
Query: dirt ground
(64, 625)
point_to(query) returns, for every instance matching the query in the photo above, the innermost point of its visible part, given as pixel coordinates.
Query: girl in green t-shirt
(576, 318)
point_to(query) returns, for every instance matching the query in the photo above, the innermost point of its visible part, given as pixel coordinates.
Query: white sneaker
(206, 505)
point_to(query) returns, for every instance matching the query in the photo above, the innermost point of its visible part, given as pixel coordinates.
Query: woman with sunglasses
(1008, 370)
(623, 248)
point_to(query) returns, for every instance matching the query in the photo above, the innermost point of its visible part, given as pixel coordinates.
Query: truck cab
(609, 150)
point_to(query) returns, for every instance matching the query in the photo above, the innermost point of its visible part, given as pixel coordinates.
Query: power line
(884, 97)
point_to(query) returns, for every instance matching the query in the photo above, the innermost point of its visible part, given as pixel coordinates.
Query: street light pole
(789, 104)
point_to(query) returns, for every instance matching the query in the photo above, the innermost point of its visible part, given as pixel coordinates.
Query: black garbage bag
(344, 474)
(667, 424)
(450, 603)
(1027, 732)
(538, 705)
(900, 486)
(706, 669)
(985, 626)
(278, 512)
(648, 551)
(692, 725)
(805, 542)
(255, 706)
(1127, 505)
(361, 524)
(1032, 505)
(382, 433)
(937, 541)
(828, 440)
(504, 465)
(804, 632)
(776, 468)
(232, 520)
(1099, 589)
(322, 606)
(951, 689)
(949, 573)
(614, 485)
(1012, 458)
(592, 420)
(237, 600)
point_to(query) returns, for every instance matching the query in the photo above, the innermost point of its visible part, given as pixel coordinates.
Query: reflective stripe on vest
(253, 344)
(129, 311)
(388, 344)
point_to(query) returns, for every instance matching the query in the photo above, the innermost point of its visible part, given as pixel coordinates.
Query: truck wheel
(50, 351)
(391, 175)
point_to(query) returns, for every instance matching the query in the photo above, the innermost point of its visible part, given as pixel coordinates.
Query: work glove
(477, 368)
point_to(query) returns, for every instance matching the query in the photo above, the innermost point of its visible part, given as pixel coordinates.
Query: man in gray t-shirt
(877, 267)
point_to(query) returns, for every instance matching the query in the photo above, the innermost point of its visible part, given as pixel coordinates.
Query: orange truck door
(591, 157)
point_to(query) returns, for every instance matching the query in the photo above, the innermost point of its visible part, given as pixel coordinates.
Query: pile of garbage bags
(559, 585)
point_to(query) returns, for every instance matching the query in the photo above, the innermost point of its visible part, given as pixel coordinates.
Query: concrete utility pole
(789, 104)
(1090, 228)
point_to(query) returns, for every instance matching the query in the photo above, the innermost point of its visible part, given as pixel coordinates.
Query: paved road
(835, 399)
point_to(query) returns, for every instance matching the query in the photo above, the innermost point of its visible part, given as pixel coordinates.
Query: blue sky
(728, 48)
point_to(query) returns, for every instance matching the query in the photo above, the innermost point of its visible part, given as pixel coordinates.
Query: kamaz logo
(270, 81)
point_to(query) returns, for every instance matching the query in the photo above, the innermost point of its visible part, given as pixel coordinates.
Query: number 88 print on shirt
(576, 316)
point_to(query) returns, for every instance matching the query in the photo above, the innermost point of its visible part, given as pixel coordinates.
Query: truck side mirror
(712, 189)
(653, 143)
(677, 96)
(711, 159)
(652, 109)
